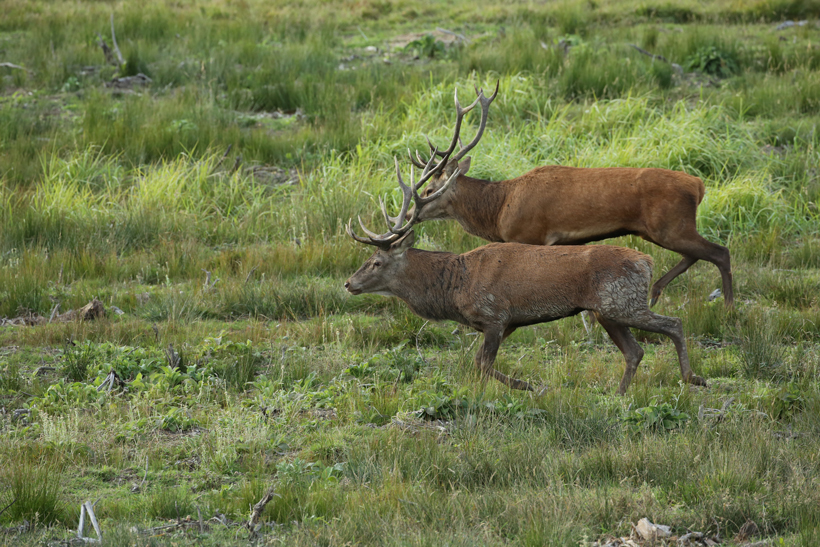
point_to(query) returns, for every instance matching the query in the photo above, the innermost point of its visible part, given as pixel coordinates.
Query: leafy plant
(177, 419)
(711, 60)
(426, 46)
(787, 402)
(399, 363)
(662, 417)
(61, 397)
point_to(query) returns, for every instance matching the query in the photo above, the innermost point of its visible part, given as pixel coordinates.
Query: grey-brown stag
(556, 205)
(500, 287)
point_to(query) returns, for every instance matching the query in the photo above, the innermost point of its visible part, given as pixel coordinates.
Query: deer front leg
(485, 358)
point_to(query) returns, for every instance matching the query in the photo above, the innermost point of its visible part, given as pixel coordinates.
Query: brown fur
(557, 205)
(500, 287)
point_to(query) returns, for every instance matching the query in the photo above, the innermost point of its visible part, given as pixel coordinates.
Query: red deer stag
(500, 287)
(555, 205)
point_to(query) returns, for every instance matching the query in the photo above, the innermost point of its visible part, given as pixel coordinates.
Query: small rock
(129, 81)
(652, 532)
(371, 49)
(788, 24)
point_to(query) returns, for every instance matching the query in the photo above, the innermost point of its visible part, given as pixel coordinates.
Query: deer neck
(477, 205)
(430, 283)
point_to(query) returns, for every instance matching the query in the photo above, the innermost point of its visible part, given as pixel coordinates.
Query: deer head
(383, 265)
(451, 163)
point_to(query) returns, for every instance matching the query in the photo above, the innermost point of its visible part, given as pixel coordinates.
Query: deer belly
(586, 235)
(537, 311)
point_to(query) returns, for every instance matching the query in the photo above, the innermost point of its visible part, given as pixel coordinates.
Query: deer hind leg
(485, 358)
(660, 284)
(632, 351)
(693, 248)
(671, 327)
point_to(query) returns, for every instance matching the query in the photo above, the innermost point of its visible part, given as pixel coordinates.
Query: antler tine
(387, 218)
(369, 241)
(417, 161)
(372, 235)
(460, 112)
(429, 170)
(407, 195)
(430, 144)
(485, 111)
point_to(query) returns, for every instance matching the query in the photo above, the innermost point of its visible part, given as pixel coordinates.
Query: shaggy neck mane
(477, 205)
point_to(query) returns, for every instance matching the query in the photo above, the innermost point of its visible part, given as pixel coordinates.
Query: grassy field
(267, 125)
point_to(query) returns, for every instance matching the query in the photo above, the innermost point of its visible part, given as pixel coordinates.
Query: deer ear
(464, 165)
(403, 243)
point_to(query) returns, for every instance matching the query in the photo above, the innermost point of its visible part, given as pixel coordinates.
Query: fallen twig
(207, 284)
(109, 55)
(19, 529)
(54, 312)
(114, 40)
(9, 505)
(225, 155)
(136, 487)
(236, 164)
(418, 349)
(179, 525)
(87, 508)
(675, 66)
(653, 55)
(111, 380)
(173, 357)
(15, 67)
(250, 273)
(714, 412)
(257, 512)
(451, 33)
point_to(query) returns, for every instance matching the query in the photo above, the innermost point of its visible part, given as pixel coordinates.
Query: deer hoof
(696, 380)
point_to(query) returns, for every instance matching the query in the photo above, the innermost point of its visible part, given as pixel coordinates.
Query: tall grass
(36, 491)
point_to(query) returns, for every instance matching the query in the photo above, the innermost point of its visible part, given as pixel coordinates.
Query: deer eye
(377, 263)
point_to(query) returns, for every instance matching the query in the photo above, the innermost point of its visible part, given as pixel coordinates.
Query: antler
(410, 193)
(460, 112)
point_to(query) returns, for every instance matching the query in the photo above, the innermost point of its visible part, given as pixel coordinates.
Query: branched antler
(460, 112)
(397, 226)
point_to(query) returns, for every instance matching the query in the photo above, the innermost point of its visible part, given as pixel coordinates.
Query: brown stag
(500, 287)
(555, 205)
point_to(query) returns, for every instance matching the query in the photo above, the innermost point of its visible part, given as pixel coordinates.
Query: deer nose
(347, 284)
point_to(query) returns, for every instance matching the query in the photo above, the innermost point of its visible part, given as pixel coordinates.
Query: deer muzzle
(351, 289)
